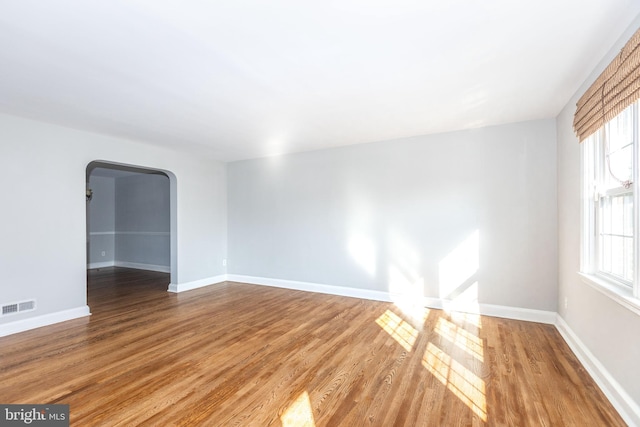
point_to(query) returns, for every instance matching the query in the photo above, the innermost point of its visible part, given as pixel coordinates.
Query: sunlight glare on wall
(459, 266)
(465, 301)
(299, 413)
(463, 383)
(405, 283)
(402, 253)
(407, 291)
(363, 250)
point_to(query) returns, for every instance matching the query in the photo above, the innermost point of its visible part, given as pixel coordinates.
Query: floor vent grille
(18, 307)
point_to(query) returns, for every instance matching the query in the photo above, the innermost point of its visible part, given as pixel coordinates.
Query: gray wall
(403, 215)
(142, 220)
(101, 217)
(609, 330)
(129, 220)
(43, 239)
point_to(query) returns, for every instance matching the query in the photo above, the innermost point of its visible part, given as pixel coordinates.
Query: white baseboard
(514, 313)
(126, 264)
(140, 266)
(484, 309)
(105, 264)
(43, 320)
(313, 287)
(187, 286)
(624, 404)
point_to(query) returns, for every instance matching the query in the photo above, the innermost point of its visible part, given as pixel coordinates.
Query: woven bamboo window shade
(614, 90)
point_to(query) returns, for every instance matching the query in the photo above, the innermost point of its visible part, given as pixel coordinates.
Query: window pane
(617, 256)
(605, 217)
(605, 251)
(617, 215)
(621, 163)
(609, 172)
(616, 235)
(618, 148)
(628, 215)
(628, 254)
(620, 130)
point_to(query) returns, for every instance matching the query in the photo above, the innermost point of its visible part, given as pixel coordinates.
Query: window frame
(592, 168)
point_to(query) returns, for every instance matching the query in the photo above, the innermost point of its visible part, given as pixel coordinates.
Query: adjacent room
(320, 214)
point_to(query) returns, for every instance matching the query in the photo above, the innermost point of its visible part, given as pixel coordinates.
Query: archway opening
(131, 220)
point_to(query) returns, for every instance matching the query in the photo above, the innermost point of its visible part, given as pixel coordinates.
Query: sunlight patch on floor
(299, 413)
(463, 383)
(398, 329)
(413, 310)
(461, 338)
(469, 319)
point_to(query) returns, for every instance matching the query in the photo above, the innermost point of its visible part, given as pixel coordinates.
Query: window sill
(622, 296)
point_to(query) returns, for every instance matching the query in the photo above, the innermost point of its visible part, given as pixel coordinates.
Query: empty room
(411, 213)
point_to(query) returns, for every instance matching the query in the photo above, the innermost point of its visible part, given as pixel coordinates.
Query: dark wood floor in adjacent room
(237, 354)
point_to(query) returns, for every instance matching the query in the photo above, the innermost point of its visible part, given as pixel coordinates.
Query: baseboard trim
(43, 320)
(187, 286)
(141, 266)
(313, 287)
(624, 404)
(515, 313)
(126, 264)
(506, 312)
(95, 265)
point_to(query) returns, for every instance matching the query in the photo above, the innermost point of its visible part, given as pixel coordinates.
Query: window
(606, 121)
(610, 224)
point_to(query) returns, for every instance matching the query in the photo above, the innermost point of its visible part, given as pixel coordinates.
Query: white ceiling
(237, 79)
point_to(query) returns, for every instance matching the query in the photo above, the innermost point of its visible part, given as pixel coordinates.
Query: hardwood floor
(237, 354)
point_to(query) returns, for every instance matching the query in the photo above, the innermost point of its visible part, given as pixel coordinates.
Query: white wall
(397, 216)
(101, 221)
(43, 216)
(608, 330)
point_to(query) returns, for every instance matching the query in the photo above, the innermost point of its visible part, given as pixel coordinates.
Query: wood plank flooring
(242, 355)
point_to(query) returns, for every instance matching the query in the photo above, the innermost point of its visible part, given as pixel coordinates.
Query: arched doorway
(131, 218)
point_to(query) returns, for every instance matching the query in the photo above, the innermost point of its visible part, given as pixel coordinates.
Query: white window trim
(619, 294)
(626, 296)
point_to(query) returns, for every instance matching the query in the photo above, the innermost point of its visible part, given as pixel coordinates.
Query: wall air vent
(18, 307)
(9, 309)
(26, 306)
